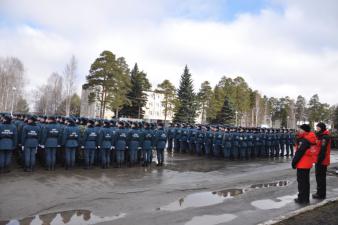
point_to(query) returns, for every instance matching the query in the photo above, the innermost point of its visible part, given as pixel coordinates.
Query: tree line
(231, 101)
(58, 96)
(114, 86)
(12, 85)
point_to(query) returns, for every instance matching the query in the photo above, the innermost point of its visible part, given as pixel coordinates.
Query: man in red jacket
(324, 146)
(303, 161)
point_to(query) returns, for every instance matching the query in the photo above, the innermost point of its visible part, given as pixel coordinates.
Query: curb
(299, 211)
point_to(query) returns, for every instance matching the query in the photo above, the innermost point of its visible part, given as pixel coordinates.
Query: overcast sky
(280, 47)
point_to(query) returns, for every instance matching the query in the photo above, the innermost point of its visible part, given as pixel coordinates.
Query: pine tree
(226, 115)
(186, 110)
(108, 80)
(136, 95)
(21, 105)
(204, 97)
(168, 90)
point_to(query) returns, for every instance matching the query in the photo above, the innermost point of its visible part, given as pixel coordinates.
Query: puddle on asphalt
(211, 219)
(201, 199)
(281, 183)
(72, 217)
(266, 204)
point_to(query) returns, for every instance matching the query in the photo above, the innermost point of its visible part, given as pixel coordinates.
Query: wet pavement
(189, 190)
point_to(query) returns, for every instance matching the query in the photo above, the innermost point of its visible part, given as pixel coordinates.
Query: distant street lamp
(13, 91)
(236, 117)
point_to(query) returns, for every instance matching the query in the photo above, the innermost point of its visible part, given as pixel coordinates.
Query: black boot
(317, 196)
(302, 202)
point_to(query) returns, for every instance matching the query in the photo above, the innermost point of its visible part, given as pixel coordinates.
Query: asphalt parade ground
(188, 190)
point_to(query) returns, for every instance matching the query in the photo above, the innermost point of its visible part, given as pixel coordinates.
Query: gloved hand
(293, 164)
(321, 158)
(22, 148)
(82, 147)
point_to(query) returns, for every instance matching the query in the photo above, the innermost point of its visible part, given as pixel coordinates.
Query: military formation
(70, 142)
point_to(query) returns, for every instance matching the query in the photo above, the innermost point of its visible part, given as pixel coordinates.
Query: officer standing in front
(160, 139)
(303, 161)
(171, 137)
(323, 160)
(8, 142)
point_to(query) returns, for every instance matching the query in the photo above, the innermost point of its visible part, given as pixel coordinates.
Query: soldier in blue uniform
(97, 155)
(200, 140)
(51, 141)
(227, 143)
(70, 141)
(19, 122)
(171, 137)
(147, 144)
(184, 139)
(8, 142)
(120, 143)
(264, 149)
(235, 144)
(258, 142)
(105, 143)
(31, 138)
(134, 143)
(178, 132)
(90, 143)
(217, 148)
(208, 140)
(269, 141)
(192, 136)
(275, 143)
(290, 142)
(283, 138)
(250, 143)
(160, 139)
(243, 144)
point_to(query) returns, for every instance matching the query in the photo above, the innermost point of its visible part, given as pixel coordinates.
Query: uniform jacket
(8, 136)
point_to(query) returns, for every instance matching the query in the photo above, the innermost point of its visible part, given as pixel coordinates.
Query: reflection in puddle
(202, 199)
(72, 217)
(281, 183)
(211, 219)
(267, 204)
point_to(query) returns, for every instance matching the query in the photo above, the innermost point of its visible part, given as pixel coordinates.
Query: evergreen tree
(136, 95)
(75, 105)
(301, 108)
(168, 90)
(108, 80)
(226, 115)
(186, 111)
(21, 106)
(204, 98)
(318, 111)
